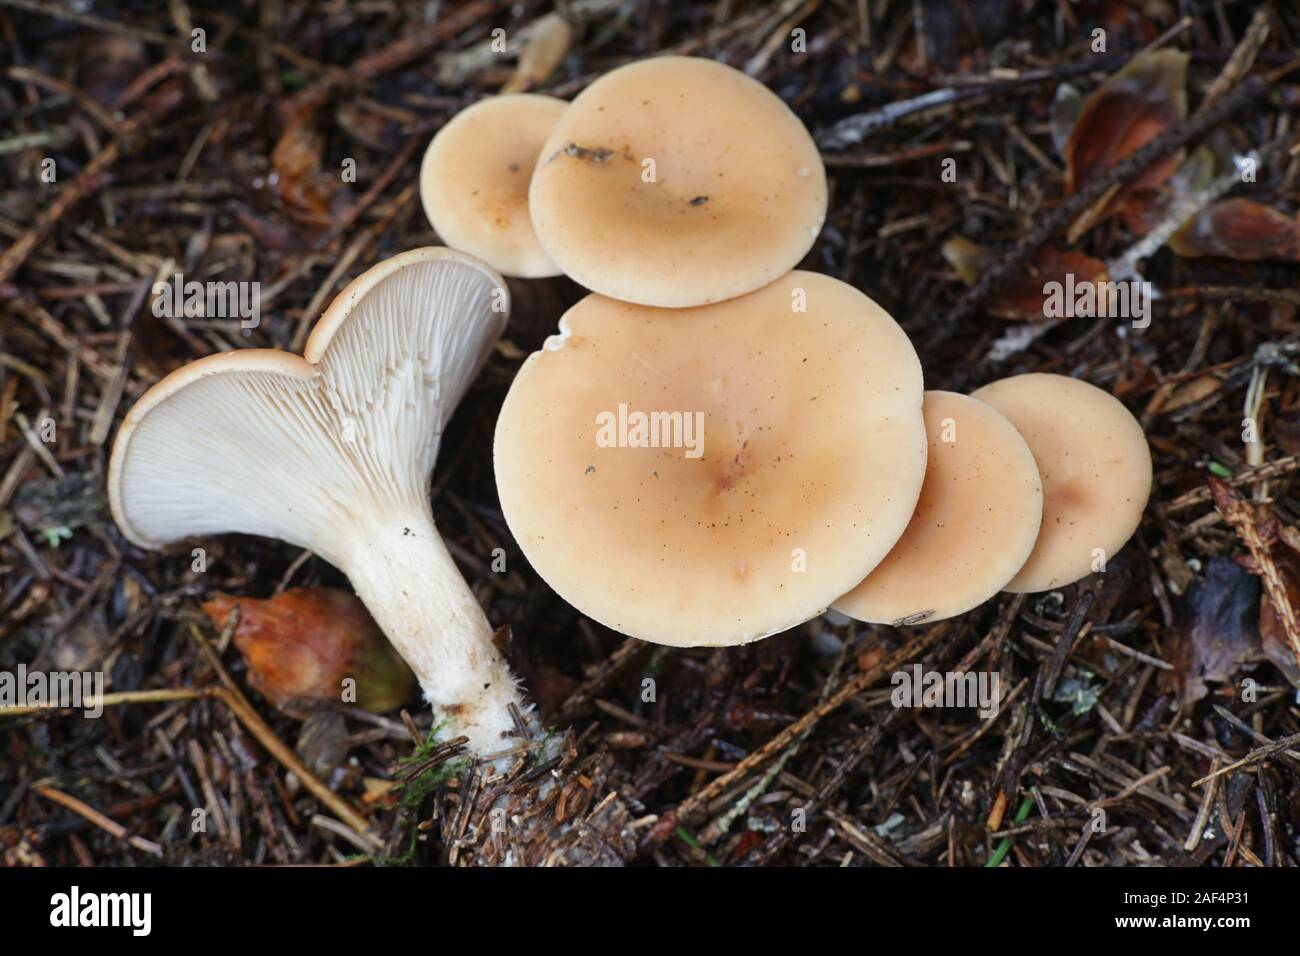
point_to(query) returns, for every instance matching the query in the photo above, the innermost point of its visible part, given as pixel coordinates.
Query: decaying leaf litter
(1124, 693)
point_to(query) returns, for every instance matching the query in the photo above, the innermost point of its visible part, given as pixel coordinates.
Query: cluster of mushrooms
(682, 193)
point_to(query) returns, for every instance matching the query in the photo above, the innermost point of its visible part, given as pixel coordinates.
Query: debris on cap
(677, 181)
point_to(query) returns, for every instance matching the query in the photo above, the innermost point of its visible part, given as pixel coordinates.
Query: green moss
(419, 779)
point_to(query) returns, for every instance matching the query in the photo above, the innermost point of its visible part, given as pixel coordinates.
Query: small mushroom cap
(1096, 468)
(676, 182)
(302, 448)
(474, 181)
(811, 459)
(975, 523)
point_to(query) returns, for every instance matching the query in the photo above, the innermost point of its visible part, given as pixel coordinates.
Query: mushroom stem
(400, 567)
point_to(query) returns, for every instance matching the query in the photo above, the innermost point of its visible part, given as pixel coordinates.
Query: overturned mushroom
(677, 181)
(1096, 468)
(974, 526)
(714, 475)
(474, 181)
(332, 451)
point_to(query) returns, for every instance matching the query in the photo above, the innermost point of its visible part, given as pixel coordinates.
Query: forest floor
(974, 153)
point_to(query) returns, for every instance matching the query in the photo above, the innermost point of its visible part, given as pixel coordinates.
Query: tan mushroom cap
(738, 192)
(1096, 468)
(474, 181)
(812, 458)
(975, 523)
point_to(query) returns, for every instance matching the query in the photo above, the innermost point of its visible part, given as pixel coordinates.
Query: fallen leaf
(301, 645)
(1239, 229)
(1144, 211)
(1274, 561)
(1025, 297)
(1125, 113)
(1190, 392)
(1218, 630)
(968, 258)
(297, 177)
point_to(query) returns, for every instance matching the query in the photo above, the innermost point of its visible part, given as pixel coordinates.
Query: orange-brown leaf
(1025, 299)
(1239, 229)
(298, 180)
(1124, 114)
(302, 644)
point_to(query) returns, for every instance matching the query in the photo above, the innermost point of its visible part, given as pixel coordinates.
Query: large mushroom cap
(676, 182)
(301, 448)
(975, 523)
(812, 458)
(1096, 469)
(475, 175)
